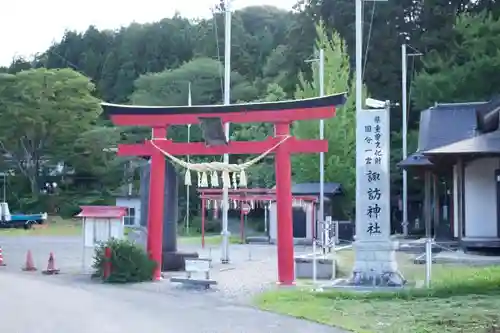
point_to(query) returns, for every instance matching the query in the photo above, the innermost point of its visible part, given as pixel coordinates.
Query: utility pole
(227, 100)
(404, 133)
(4, 185)
(404, 130)
(189, 140)
(321, 75)
(321, 137)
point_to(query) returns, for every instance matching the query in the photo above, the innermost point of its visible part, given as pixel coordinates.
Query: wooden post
(107, 263)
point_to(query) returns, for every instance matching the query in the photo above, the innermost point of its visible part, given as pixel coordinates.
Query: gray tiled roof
(485, 144)
(444, 124)
(415, 160)
(313, 188)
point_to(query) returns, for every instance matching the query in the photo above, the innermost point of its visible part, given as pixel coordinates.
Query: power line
(368, 39)
(214, 18)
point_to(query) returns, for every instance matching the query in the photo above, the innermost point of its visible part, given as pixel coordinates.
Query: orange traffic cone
(29, 266)
(51, 266)
(1, 258)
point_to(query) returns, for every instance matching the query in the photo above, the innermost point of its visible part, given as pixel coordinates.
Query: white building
(133, 205)
(464, 159)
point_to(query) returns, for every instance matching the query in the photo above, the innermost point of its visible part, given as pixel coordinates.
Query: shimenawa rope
(204, 170)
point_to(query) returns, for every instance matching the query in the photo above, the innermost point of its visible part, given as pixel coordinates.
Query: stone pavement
(70, 302)
(38, 304)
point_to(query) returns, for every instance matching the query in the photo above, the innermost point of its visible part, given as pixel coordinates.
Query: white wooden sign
(197, 265)
(373, 175)
(97, 230)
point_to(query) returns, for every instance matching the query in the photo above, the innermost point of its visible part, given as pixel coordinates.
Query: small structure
(461, 164)
(306, 213)
(100, 224)
(194, 268)
(241, 199)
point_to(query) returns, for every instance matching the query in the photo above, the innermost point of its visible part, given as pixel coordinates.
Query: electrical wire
(214, 18)
(368, 39)
(412, 76)
(410, 90)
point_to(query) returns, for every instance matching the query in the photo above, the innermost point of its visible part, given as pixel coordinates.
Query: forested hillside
(52, 132)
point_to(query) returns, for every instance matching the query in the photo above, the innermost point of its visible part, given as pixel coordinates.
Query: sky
(31, 26)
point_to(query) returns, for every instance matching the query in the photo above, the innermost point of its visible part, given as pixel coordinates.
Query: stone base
(174, 261)
(325, 268)
(375, 264)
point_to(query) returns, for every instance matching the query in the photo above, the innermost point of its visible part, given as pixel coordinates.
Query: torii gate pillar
(282, 163)
(156, 202)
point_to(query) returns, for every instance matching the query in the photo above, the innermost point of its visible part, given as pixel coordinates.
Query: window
(130, 218)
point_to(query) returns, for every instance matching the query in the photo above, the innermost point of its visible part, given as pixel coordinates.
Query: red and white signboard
(245, 208)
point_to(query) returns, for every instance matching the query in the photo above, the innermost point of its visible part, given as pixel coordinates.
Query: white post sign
(373, 176)
(375, 261)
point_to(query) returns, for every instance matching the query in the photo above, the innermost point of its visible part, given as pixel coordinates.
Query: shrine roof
(309, 103)
(485, 144)
(416, 160)
(102, 211)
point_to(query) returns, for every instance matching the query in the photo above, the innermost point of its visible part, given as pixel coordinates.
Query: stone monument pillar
(375, 257)
(172, 260)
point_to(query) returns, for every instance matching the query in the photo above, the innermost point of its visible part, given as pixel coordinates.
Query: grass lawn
(209, 240)
(54, 226)
(462, 300)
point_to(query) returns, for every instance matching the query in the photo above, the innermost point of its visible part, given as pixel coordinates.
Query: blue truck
(26, 221)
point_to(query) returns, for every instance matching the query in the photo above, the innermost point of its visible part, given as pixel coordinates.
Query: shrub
(129, 262)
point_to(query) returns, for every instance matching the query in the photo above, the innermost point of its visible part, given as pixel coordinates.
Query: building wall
(273, 222)
(481, 198)
(131, 202)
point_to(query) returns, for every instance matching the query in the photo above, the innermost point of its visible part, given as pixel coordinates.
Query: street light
(375, 103)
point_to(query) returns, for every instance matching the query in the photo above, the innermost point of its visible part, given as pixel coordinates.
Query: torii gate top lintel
(284, 111)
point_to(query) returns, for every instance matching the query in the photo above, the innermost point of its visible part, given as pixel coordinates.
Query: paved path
(70, 302)
(253, 268)
(47, 304)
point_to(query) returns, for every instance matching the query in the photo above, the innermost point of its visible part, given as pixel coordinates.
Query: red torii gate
(281, 114)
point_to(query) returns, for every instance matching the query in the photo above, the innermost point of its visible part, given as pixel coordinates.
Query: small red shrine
(282, 144)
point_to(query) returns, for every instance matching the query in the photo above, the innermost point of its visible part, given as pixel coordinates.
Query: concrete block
(325, 268)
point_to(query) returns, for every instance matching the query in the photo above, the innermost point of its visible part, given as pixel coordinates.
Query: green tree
(42, 113)
(261, 175)
(170, 87)
(340, 131)
(467, 69)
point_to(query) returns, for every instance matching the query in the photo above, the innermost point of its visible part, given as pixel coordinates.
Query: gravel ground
(71, 302)
(252, 268)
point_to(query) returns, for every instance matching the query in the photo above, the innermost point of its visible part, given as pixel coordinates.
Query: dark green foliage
(47, 123)
(129, 262)
(211, 226)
